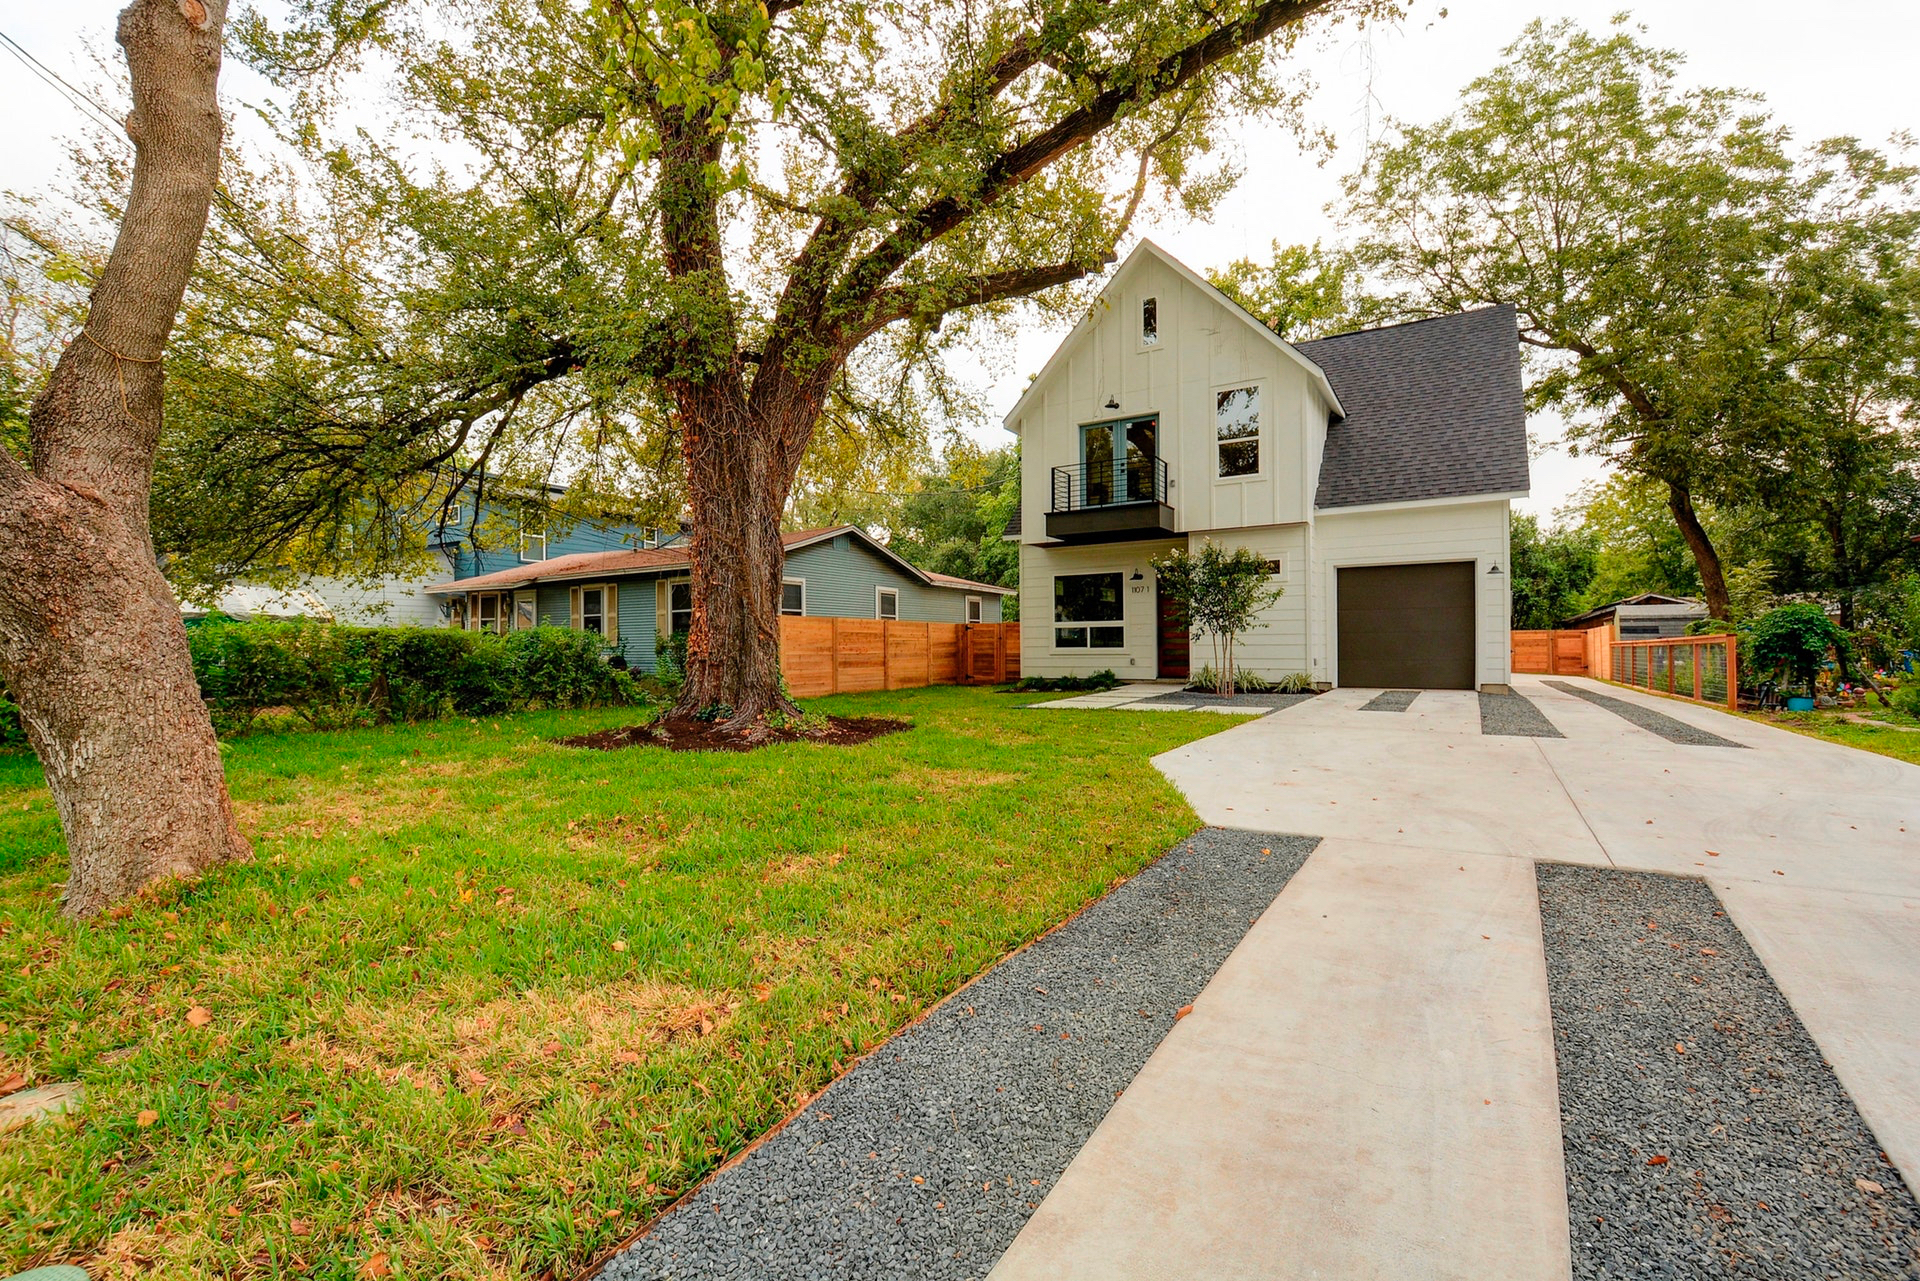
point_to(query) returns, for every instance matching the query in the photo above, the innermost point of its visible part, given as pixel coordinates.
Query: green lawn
(1884, 739)
(482, 1005)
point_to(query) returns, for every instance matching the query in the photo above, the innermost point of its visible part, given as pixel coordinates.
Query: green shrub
(1793, 640)
(1294, 683)
(1907, 698)
(1104, 679)
(670, 658)
(331, 676)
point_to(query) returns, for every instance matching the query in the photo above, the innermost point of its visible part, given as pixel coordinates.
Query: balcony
(1120, 501)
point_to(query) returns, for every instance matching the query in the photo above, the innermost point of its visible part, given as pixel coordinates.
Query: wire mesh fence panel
(1683, 663)
(1713, 673)
(1699, 668)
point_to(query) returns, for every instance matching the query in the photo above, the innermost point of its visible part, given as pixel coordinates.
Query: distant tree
(1222, 594)
(952, 520)
(1631, 223)
(1637, 547)
(1305, 292)
(1551, 571)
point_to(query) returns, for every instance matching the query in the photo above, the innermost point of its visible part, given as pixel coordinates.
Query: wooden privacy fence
(853, 655)
(1554, 653)
(1705, 669)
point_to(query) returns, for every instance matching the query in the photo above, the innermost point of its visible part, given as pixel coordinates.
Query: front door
(1171, 628)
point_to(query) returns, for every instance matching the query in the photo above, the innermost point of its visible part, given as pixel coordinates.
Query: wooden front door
(1171, 629)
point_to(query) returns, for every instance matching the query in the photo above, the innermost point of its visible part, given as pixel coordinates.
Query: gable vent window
(1149, 322)
(1236, 421)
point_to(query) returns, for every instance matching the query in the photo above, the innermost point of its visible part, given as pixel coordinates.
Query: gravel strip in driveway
(1392, 700)
(1704, 1135)
(927, 1157)
(1195, 698)
(1514, 715)
(1674, 731)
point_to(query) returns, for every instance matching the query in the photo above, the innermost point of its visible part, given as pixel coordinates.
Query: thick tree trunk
(738, 478)
(1713, 582)
(91, 642)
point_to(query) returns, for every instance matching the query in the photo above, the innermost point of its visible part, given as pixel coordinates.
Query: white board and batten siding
(1424, 533)
(1039, 656)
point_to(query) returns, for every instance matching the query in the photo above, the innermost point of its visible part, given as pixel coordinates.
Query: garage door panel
(1406, 626)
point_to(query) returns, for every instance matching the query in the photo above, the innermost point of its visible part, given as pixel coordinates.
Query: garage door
(1406, 626)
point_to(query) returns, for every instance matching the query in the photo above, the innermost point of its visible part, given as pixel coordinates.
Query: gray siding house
(633, 597)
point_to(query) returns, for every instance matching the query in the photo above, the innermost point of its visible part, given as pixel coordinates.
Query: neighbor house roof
(593, 565)
(1646, 603)
(1433, 409)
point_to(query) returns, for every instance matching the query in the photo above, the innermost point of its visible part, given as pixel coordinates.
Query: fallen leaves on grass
(199, 1016)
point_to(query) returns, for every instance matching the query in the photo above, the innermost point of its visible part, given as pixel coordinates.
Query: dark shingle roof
(1435, 409)
(1012, 529)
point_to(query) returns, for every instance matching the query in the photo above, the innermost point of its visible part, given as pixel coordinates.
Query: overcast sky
(1845, 66)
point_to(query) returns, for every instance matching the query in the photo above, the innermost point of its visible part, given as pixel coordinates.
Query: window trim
(802, 611)
(530, 597)
(1149, 340)
(476, 619)
(976, 609)
(609, 632)
(1088, 625)
(1259, 437)
(671, 584)
(880, 594)
(527, 537)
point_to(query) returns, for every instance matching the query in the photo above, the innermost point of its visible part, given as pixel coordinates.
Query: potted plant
(1793, 640)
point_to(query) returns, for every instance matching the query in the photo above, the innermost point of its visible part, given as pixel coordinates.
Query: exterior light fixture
(1493, 569)
(1113, 402)
(1138, 577)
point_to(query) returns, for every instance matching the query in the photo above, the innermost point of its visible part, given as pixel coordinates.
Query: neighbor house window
(679, 607)
(596, 609)
(526, 611)
(457, 614)
(1236, 424)
(1149, 322)
(488, 614)
(886, 603)
(793, 596)
(533, 538)
(973, 609)
(1088, 612)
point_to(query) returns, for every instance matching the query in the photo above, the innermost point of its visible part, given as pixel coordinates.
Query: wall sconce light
(1138, 577)
(1493, 569)
(1113, 402)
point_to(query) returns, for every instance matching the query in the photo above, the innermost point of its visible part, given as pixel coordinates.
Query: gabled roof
(579, 566)
(1146, 251)
(1434, 409)
(1651, 602)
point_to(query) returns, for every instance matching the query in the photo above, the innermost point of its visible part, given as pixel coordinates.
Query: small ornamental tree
(1222, 592)
(1794, 639)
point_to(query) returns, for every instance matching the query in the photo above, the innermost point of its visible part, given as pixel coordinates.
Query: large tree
(1632, 222)
(696, 227)
(91, 642)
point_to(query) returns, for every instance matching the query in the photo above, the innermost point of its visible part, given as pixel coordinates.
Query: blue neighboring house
(631, 596)
(508, 531)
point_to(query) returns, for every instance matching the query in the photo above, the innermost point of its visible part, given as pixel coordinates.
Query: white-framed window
(793, 596)
(533, 538)
(595, 607)
(526, 611)
(679, 607)
(649, 536)
(976, 609)
(886, 602)
(1089, 611)
(1149, 322)
(1236, 429)
(489, 612)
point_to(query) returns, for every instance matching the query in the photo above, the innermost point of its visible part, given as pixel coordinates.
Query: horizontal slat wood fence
(1562, 652)
(1705, 669)
(854, 655)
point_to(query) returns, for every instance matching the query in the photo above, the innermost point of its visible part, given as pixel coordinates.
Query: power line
(79, 98)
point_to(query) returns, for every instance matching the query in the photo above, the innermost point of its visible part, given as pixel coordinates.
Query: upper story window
(1149, 322)
(1236, 424)
(533, 537)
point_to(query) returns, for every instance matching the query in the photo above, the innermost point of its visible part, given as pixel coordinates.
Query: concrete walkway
(1315, 1115)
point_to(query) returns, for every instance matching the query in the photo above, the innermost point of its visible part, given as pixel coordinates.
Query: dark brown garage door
(1406, 626)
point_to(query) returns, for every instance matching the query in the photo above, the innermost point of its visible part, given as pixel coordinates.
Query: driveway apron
(1366, 1088)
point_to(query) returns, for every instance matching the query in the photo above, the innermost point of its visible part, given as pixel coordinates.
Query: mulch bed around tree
(680, 735)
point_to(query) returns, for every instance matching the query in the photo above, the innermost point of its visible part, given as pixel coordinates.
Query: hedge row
(329, 676)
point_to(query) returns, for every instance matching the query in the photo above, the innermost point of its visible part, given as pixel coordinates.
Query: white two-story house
(1373, 470)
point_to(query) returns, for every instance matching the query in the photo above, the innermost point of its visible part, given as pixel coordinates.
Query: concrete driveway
(1367, 1088)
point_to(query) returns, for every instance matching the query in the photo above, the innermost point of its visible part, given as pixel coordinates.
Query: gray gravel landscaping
(1199, 698)
(927, 1157)
(1667, 727)
(1704, 1135)
(1392, 700)
(1516, 716)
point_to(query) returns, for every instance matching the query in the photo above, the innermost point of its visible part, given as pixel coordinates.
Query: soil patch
(703, 736)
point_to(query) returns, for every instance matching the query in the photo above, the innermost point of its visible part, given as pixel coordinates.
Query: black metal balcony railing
(1133, 480)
